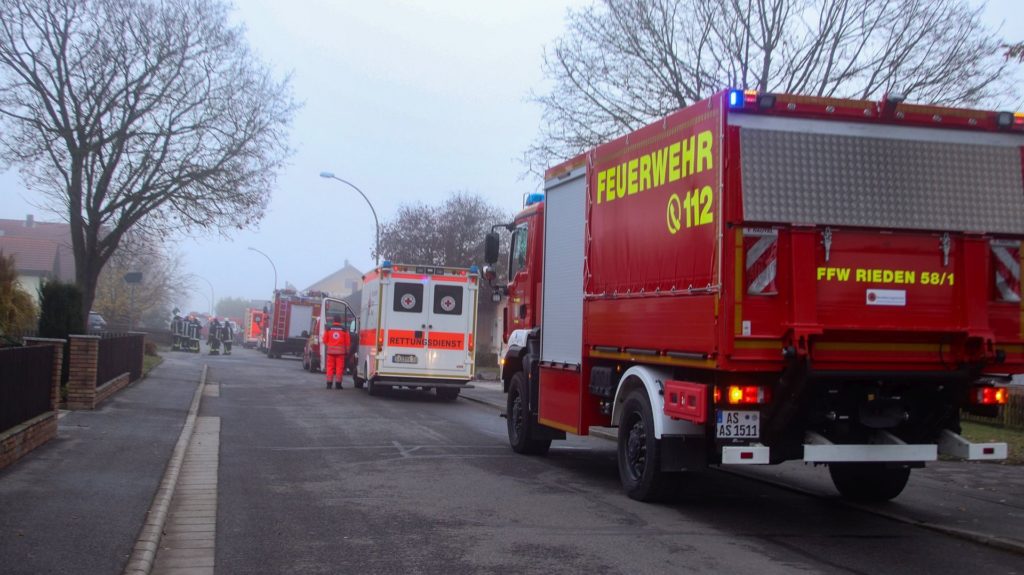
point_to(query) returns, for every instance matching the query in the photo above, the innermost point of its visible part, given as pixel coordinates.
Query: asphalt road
(324, 481)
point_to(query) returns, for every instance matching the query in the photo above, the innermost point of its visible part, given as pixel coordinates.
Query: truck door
(331, 307)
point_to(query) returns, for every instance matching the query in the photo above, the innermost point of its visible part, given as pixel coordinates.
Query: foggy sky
(409, 101)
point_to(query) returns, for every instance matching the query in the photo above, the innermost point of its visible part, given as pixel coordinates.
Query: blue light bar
(474, 270)
(736, 99)
(534, 198)
(385, 264)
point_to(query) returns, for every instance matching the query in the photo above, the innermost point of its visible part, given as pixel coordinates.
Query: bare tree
(144, 115)
(623, 63)
(163, 283)
(451, 234)
(1015, 51)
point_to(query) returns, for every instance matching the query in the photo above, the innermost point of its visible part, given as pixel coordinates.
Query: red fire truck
(763, 277)
(254, 328)
(291, 321)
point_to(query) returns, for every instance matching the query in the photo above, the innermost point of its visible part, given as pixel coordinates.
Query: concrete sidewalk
(76, 504)
(981, 502)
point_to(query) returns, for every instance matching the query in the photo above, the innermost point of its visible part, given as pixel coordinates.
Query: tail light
(990, 395)
(761, 256)
(1006, 270)
(746, 395)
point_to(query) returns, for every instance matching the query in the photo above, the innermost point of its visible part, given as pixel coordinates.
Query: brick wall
(112, 386)
(18, 441)
(84, 351)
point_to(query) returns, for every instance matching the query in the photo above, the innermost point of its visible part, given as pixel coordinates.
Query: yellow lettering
(620, 181)
(645, 172)
(632, 187)
(659, 163)
(887, 276)
(610, 189)
(876, 276)
(862, 275)
(912, 278)
(687, 155)
(600, 184)
(844, 274)
(673, 162)
(704, 157)
(821, 272)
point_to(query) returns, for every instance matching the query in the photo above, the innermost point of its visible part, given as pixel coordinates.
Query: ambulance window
(517, 259)
(448, 300)
(408, 297)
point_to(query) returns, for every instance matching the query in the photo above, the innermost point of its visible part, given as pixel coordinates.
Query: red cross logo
(408, 301)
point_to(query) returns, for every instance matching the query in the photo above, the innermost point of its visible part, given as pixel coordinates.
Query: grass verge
(149, 362)
(1014, 439)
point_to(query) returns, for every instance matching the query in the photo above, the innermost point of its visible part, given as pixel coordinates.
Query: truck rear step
(956, 446)
(888, 448)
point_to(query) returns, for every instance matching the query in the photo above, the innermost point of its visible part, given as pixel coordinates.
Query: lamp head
(326, 174)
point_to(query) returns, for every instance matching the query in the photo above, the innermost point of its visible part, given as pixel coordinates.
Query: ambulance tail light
(747, 395)
(989, 395)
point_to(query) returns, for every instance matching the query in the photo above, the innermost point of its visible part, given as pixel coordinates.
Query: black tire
(372, 388)
(638, 454)
(355, 376)
(447, 393)
(520, 421)
(306, 365)
(868, 482)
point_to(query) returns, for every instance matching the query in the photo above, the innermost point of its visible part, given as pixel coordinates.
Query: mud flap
(682, 453)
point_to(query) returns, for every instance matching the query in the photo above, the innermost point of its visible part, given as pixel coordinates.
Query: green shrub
(60, 310)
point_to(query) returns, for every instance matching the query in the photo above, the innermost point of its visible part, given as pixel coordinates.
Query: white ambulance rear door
(451, 320)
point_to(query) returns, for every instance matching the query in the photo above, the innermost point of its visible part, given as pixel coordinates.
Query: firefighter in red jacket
(336, 342)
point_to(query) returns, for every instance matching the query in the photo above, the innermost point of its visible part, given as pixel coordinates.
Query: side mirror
(491, 248)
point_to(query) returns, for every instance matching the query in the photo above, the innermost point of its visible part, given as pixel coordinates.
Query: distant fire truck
(254, 328)
(291, 321)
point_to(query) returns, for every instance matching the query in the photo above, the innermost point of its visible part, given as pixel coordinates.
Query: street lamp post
(271, 265)
(213, 299)
(330, 175)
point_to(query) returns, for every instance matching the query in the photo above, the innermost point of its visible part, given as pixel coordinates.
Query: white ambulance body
(418, 328)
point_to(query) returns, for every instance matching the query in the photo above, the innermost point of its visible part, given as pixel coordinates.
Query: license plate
(404, 358)
(738, 425)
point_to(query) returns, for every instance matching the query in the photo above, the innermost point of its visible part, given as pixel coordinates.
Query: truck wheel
(868, 482)
(371, 388)
(520, 420)
(639, 461)
(447, 393)
(355, 375)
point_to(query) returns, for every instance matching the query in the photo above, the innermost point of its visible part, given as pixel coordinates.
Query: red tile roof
(31, 256)
(42, 248)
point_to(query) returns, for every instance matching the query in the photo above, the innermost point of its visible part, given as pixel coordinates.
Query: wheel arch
(652, 381)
